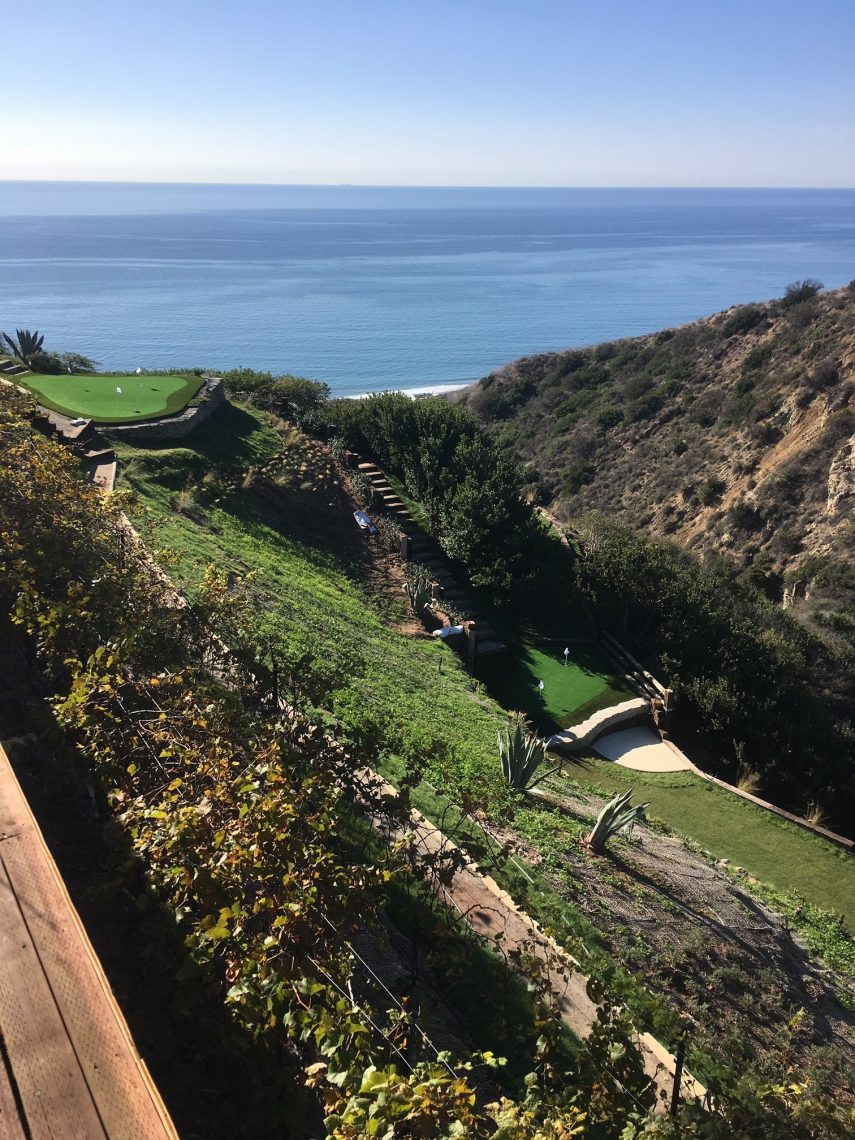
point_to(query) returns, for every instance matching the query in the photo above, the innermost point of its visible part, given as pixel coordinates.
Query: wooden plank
(68, 976)
(11, 1127)
(56, 1099)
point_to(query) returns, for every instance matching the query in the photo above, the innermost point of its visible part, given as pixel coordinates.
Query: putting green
(97, 398)
(570, 692)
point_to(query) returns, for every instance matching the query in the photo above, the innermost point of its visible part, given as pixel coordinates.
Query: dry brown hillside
(734, 434)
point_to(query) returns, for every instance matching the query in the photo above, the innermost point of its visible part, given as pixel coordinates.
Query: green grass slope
(332, 631)
(96, 398)
(336, 633)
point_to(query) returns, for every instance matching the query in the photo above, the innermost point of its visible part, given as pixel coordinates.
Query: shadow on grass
(231, 438)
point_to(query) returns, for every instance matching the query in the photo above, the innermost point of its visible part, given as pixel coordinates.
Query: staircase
(11, 368)
(98, 459)
(422, 548)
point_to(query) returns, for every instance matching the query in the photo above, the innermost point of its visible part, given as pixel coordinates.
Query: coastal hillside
(734, 434)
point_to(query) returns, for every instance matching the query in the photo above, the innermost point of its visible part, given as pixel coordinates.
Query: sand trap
(641, 749)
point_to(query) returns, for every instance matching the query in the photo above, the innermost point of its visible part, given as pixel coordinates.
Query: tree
(798, 291)
(26, 346)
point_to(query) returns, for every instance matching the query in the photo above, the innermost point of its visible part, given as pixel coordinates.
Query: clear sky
(435, 92)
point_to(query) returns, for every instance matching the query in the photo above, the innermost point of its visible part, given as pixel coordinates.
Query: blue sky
(548, 92)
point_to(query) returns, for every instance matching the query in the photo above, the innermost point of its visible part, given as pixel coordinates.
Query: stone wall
(212, 395)
(626, 714)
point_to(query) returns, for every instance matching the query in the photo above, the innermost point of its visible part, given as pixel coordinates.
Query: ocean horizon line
(628, 186)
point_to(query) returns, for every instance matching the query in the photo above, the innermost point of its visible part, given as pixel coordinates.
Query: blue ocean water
(371, 288)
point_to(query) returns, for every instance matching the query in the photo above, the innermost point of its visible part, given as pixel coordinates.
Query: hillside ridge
(734, 434)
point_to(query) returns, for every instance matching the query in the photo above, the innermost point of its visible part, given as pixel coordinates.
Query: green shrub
(744, 516)
(743, 320)
(577, 476)
(609, 417)
(799, 291)
(363, 490)
(594, 376)
(645, 407)
(757, 358)
(710, 491)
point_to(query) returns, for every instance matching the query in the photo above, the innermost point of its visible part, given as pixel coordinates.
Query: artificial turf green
(780, 853)
(96, 398)
(570, 692)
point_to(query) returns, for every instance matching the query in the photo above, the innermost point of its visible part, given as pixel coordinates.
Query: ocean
(375, 288)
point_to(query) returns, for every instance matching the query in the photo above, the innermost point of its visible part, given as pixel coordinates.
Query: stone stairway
(97, 457)
(422, 548)
(12, 368)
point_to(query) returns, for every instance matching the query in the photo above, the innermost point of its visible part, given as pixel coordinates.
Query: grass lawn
(330, 630)
(570, 693)
(768, 847)
(96, 398)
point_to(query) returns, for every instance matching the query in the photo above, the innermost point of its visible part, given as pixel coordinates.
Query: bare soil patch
(724, 959)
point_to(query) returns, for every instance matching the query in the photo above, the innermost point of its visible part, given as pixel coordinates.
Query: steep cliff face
(734, 434)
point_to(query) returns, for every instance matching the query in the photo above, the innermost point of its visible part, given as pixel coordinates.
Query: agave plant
(26, 346)
(520, 755)
(417, 587)
(615, 816)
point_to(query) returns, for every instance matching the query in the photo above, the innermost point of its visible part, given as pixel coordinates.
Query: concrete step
(369, 469)
(97, 454)
(485, 648)
(81, 434)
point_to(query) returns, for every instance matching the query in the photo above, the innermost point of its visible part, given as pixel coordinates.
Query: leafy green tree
(292, 397)
(799, 291)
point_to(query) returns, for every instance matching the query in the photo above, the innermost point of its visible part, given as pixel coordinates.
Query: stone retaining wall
(212, 396)
(635, 711)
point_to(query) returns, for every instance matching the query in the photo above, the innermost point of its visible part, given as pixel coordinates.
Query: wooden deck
(68, 1066)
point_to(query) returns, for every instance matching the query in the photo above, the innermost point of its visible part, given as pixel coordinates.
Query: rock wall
(635, 711)
(212, 396)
